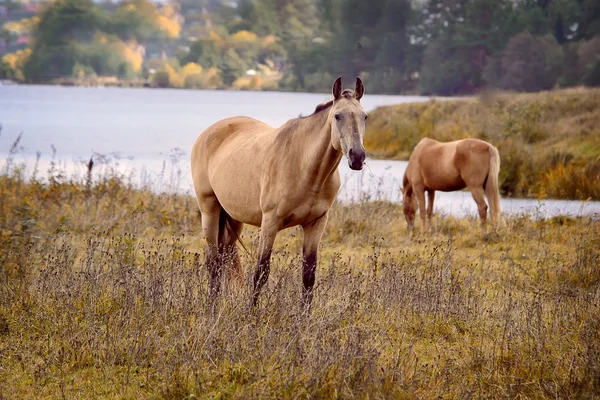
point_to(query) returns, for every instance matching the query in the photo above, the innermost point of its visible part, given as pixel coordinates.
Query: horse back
(230, 132)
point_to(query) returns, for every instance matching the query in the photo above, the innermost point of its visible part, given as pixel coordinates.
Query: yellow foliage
(131, 52)
(170, 26)
(267, 69)
(213, 78)
(255, 82)
(168, 21)
(168, 11)
(191, 76)
(216, 38)
(190, 69)
(16, 61)
(21, 27)
(247, 83)
(243, 38)
(174, 78)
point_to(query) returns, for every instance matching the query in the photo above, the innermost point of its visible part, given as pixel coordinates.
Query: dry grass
(549, 142)
(103, 295)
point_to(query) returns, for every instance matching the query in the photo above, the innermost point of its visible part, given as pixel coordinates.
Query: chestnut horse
(451, 166)
(247, 172)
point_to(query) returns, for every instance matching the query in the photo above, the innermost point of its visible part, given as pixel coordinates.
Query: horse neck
(323, 159)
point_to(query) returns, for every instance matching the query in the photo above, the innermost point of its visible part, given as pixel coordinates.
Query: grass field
(549, 142)
(103, 295)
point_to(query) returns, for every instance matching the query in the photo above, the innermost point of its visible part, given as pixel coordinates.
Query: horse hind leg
(478, 196)
(230, 231)
(210, 210)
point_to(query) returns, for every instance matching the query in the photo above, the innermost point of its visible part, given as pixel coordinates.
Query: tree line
(443, 47)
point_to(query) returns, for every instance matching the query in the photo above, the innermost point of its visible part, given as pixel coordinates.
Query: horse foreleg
(420, 193)
(478, 196)
(312, 236)
(268, 231)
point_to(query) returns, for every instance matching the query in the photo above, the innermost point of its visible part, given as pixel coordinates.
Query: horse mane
(347, 93)
(292, 124)
(321, 107)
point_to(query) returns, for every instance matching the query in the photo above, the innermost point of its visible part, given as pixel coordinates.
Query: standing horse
(451, 166)
(246, 172)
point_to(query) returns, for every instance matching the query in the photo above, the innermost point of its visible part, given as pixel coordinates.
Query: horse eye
(366, 117)
(337, 117)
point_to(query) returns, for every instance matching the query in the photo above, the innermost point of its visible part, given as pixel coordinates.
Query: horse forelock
(348, 93)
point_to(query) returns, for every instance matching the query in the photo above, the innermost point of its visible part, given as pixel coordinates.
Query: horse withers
(247, 172)
(466, 163)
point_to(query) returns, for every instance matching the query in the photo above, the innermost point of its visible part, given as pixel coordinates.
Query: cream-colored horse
(451, 166)
(246, 172)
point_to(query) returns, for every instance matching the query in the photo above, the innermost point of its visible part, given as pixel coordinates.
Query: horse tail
(227, 239)
(492, 187)
(228, 235)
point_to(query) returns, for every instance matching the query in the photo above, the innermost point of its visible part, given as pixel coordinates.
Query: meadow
(549, 142)
(103, 294)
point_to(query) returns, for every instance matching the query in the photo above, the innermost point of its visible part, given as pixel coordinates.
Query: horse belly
(238, 192)
(451, 186)
(443, 178)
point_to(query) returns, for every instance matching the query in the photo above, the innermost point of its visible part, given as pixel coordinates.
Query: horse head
(348, 120)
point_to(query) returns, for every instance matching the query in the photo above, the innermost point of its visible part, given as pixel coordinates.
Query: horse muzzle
(356, 159)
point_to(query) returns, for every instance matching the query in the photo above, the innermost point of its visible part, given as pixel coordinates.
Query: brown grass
(103, 295)
(549, 142)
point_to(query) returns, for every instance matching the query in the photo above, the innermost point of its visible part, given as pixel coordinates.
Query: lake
(147, 133)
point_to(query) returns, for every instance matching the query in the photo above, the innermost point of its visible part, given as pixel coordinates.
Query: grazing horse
(451, 166)
(247, 172)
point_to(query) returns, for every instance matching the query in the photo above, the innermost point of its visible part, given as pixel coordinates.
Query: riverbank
(102, 295)
(549, 142)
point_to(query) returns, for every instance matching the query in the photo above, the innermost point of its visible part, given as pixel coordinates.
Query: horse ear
(359, 89)
(337, 88)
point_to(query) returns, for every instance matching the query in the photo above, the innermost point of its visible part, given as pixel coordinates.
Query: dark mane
(347, 93)
(322, 106)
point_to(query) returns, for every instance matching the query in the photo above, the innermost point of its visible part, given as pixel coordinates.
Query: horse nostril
(362, 155)
(350, 153)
